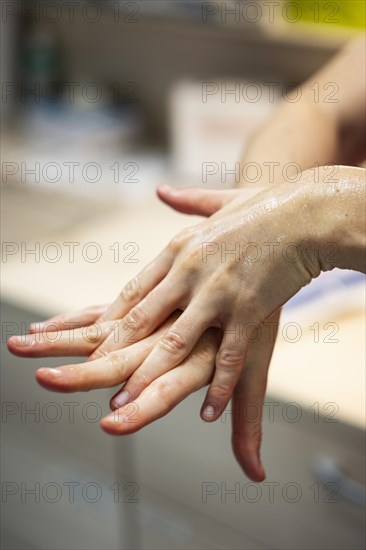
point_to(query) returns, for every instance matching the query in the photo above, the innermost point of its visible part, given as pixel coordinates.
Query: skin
(191, 286)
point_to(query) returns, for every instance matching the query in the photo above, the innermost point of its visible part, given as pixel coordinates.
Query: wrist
(334, 216)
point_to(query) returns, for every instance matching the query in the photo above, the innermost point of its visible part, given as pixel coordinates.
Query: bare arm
(326, 125)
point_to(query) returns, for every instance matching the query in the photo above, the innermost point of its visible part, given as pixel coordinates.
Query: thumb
(196, 200)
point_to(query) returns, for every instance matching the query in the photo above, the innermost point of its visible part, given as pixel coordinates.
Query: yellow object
(328, 14)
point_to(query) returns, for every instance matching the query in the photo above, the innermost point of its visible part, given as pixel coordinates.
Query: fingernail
(24, 340)
(121, 399)
(208, 412)
(55, 373)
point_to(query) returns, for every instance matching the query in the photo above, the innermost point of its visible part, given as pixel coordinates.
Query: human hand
(212, 292)
(107, 372)
(168, 390)
(235, 293)
(249, 392)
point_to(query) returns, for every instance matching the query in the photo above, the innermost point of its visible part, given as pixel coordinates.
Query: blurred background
(100, 102)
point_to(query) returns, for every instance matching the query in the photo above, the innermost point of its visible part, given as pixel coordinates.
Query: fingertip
(109, 426)
(261, 472)
(124, 420)
(47, 378)
(164, 191)
(12, 342)
(64, 380)
(249, 460)
(21, 345)
(254, 467)
(115, 423)
(164, 188)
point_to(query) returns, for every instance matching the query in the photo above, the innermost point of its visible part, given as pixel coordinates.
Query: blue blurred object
(328, 285)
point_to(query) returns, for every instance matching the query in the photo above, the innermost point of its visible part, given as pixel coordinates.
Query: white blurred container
(211, 122)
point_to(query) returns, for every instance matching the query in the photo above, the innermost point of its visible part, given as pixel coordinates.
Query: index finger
(136, 289)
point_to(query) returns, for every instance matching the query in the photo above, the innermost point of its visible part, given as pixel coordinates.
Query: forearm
(326, 125)
(297, 137)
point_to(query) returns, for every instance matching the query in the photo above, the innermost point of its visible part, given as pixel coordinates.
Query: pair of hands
(204, 308)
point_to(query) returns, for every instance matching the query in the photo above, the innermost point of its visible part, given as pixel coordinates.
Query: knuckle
(191, 262)
(137, 317)
(175, 245)
(131, 291)
(92, 334)
(174, 342)
(117, 362)
(229, 359)
(180, 239)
